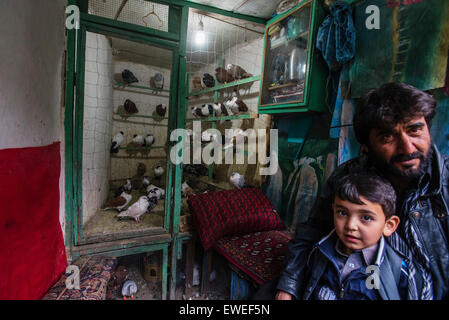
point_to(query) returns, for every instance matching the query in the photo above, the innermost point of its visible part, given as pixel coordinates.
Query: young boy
(345, 264)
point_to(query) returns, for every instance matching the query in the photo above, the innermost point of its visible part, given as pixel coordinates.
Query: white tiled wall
(146, 102)
(97, 123)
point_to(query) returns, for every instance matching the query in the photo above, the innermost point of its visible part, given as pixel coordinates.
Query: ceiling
(222, 32)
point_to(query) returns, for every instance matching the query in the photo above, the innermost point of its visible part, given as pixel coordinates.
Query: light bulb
(200, 36)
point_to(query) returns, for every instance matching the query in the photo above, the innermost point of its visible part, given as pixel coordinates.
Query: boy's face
(361, 226)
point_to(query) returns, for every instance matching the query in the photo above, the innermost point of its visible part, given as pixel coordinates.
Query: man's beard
(389, 168)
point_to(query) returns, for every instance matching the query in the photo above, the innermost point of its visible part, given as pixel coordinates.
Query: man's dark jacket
(426, 205)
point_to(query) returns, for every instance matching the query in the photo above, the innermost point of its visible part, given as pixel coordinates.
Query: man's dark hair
(392, 103)
(372, 187)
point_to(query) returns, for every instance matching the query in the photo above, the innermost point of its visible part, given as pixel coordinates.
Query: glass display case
(289, 54)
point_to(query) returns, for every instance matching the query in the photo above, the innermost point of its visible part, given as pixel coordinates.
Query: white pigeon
(217, 108)
(158, 191)
(129, 288)
(158, 171)
(137, 209)
(186, 189)
(119, 202)
(138, 139)
(149, 140)
(128, 186)
(237, 180)
(207, 109)
(117, 141)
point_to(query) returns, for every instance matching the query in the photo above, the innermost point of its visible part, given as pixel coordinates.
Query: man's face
(402, 149)
(360, 226)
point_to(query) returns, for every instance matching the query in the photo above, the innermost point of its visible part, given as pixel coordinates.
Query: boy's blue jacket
(388, 260)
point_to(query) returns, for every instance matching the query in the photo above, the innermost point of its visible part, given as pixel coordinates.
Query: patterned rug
(94, 273)
(260, 255)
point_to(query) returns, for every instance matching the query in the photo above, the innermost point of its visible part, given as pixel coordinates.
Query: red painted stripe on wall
(32, 252)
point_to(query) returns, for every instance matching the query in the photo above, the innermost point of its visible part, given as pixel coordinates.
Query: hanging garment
(336, 35)
(274, 190)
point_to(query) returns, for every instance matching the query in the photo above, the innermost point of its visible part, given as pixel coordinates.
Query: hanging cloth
(336, 35)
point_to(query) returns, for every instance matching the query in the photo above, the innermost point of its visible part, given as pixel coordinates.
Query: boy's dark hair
(392, 103)
(372, 187)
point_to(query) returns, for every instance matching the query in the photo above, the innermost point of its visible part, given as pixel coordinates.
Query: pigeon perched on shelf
(137, 209)
(161, 110)
(238, 180)
(119, 202)
(117, 141)
(208, 80)
(206, 136)
(149, 140)
(223, 76)
(218, 109)
(196, 112)
(186, 190)
(236, 105)
(129, 289)
(138, 140)
(158, 171)
(126, 187)
(158, 81)
(128, 77)
(130, 107)
(207, 110)
(237, 72)
(197, 85)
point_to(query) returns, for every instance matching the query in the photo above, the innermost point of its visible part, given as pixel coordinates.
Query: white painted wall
(32, 44)
(97, 123)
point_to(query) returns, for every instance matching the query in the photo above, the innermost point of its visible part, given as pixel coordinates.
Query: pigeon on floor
(137, 209)
(130, 107)
(158, 171)
(129, 289)
(149, 140)
(237, 72)
(159, 80)
(117, 141)
(238, 180)
(159, 192)
(141, 169)
(120, 202)
(161, 110)
(186, 190)
(145, 182)
(126, 187)
(128, 77)
(138, 140)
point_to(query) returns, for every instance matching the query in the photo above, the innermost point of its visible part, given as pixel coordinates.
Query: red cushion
(259, 255)
(232, 212)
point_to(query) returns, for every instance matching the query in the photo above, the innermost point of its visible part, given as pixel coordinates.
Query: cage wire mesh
(139, 12)
(226, 41)
(106, 113)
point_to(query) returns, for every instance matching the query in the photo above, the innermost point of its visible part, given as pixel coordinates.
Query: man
(392, 125)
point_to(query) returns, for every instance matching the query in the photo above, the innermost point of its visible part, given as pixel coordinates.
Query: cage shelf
(224, 86)
(239, 116)
(124, 115)
(123, 86)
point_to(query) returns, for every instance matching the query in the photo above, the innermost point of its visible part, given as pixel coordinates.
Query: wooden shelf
(142, 148)
(284, 42)
(290, 84)
(224, 86)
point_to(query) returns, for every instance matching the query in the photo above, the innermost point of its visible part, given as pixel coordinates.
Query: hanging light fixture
(200, 36)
